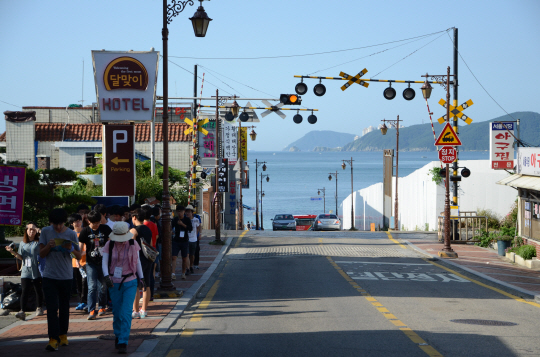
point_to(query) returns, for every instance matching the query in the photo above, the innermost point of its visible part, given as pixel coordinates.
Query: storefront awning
(521, 181)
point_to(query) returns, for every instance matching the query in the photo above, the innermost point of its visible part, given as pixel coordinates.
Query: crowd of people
(108, 256)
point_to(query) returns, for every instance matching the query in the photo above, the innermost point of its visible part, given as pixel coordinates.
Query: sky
(44, 44)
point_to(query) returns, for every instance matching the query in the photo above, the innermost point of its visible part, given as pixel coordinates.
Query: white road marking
(358, 262)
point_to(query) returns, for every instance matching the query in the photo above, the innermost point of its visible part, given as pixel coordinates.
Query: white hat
(120, 232)
(189, 207)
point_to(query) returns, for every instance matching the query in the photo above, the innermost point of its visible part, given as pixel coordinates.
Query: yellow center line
(204, 304)
(174, 353)
(187, 332)
(413, 336)
(395, 241)
(240, 239)
(517, 298)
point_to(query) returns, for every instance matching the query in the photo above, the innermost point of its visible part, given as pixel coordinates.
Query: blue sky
(43, 45)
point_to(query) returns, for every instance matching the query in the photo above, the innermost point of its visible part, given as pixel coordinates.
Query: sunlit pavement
(348, 294)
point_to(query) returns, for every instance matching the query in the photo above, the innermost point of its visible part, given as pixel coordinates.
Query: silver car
(285, 222)
(327, 222)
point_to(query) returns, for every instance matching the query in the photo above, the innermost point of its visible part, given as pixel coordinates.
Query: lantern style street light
(330, 179)
(200, 21)
(257, 164)
(262, 195)
(324, 197)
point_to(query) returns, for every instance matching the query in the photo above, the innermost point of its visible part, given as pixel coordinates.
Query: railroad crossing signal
(456, 111)
(355, 79)
(448, 137)
(290, 99)
(273, 108)
(200, 123)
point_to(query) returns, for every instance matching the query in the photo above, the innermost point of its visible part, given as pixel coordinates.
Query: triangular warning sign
(448, 137)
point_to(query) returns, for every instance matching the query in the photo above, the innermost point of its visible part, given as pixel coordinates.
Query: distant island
(475, 137)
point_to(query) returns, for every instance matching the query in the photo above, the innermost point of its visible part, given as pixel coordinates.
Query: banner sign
(230, 142)
(501, 145)
(528, 161)
(207, 143)
(223, 175)
(12, 184)
(119, 160)
(125, 84)
(243, 143)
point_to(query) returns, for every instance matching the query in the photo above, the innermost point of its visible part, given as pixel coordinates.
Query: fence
(464, 227)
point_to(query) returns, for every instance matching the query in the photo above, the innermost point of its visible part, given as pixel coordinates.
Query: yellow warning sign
(448, 137)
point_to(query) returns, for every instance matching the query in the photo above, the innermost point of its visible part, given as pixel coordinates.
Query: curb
(532, 294)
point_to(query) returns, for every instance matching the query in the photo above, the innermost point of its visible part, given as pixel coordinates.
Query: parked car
(285, 222)
(327, 222)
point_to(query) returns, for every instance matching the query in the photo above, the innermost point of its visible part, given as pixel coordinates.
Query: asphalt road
(347, 294)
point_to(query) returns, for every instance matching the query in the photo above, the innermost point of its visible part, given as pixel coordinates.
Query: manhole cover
(133, 336)
(484, 322)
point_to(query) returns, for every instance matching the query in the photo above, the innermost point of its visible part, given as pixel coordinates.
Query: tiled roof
(92, 132)
(3, 136)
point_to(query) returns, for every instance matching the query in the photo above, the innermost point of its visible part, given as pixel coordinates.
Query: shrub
(485, 238)
(492, 218)
(435, 174)
(526, 251)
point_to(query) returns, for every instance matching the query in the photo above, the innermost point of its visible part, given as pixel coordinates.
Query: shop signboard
(119, 160)
(12, 184)
(223, 175)
(230, 142)
(207, 143)
(528, 161)
(501, 145)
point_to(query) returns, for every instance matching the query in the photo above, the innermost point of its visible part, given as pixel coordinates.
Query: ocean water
(295, 177)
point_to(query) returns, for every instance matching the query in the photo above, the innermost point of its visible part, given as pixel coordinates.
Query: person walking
(94, 237)
(79, 266)
(180, 242)
(58, 243)
(142, 233)
(30, 276)
(122, 269)
(192, 236)
(198, 249)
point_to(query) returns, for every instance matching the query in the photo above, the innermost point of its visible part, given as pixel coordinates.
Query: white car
(327, 222)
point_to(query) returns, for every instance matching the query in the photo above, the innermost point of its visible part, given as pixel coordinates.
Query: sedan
(284, 222)
(327, 222)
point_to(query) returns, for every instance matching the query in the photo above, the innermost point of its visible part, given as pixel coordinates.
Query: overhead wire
(18, 106)
(201, 78)
(307, 54)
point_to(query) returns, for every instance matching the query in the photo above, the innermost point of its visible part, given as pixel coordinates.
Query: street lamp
(200, 21)
(324, 197)
(330, 179)
(384, 129)
(262, 195)
(352, 190)
(447, 251)
(257, 164)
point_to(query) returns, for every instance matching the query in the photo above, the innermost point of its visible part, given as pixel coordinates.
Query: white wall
(421, 201)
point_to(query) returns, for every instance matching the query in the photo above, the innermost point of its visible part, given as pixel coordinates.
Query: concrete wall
(20, 142)
(72, 155)
(421, 200)
(179, 153)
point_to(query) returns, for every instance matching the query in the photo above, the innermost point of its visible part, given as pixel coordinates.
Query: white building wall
(47, 148)
(74, 157)
(421, 201)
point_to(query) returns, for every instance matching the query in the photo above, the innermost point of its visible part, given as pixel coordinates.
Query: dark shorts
(147, 271)
(180, 247)
(192, 248)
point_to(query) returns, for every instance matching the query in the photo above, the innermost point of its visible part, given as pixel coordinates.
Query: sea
(296, 177)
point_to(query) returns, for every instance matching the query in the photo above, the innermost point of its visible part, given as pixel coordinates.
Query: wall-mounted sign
(242, 147)
(12, 184)
(125, 84)
(207, 143)
(230, 142)
(501, 145)
(223, 175)
(528, 161)
(119, 160)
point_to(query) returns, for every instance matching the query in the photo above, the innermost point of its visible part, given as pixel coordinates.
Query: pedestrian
(115, 215)
(180, 241)
(58, 244)
(30, 276)
(83, 210)
(94, 238)
(248, 226)
(150, 222)
(102, 209)
(192, 236)
(142, 233)
(156, 215)
(121, 259)
(79, 266)
(198, 249)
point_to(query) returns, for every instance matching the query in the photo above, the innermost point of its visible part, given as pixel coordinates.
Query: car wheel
(273, 229)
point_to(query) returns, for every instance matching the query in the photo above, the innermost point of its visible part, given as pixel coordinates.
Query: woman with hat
(122, 269)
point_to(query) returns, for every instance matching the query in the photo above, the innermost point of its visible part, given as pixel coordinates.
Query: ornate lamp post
(324, 197)
(384, 129)
(200, 21)
(257, 164)
(447, 251)
(330, 179)
(262, 195)
(344, 165)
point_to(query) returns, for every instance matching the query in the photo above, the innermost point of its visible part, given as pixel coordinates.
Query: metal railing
(464, 227)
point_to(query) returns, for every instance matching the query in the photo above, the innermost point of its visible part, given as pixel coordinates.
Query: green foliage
(96, 170)
(492, 218)
(148, 186)
(511, 218)
(508, 232)
(436, 175)
(486, 238)
(524, 251)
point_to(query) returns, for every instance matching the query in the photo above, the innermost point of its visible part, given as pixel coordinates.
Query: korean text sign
(12, 184)
(501, 145)
(223, 175)
(207, 143)
(528, 161)
(243, 143)
(125, 84)
(230, 142)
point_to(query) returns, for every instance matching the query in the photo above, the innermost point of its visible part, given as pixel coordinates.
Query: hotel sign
(125, 84)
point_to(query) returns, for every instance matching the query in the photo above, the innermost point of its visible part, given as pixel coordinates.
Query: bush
(526, 251)
(435, 174)
(485, 238)
(511, 218)
(492, 218)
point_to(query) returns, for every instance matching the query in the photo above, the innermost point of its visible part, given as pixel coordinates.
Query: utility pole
(217, 203)
(330, 179)
(352, 190)
(324, 197)
(455, 123)
(257, 163)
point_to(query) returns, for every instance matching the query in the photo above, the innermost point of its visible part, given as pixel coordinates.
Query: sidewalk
(483, 262)
(28, 338)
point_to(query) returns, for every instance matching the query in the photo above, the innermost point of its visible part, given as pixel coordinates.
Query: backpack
(111, 246)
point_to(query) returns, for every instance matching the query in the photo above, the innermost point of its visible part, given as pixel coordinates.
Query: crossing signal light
(290, 99)
(465, 172)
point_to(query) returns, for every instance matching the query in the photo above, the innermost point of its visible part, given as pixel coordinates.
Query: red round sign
(447, 154)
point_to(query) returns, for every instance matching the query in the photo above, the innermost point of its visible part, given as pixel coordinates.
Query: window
(90, 160)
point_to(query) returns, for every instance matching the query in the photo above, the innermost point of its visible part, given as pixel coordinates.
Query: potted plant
(503, 242)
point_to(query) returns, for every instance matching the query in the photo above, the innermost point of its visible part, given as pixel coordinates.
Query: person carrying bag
(122, 271)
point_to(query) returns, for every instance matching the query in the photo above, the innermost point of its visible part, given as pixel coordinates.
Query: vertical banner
(501, 145)
(243, 143)
(230, 142)
(119, 160)
(12, 184)
(207, 143)
(223, 175)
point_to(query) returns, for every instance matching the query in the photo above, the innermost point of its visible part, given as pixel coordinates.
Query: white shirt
(193, 234)
(110, 223)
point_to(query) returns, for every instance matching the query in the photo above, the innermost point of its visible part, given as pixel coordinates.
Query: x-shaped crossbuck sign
(275, 108)
(456, 111)
(355, 79)
(200, 123)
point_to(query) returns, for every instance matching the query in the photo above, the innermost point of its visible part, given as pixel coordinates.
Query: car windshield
(327, 216)
(284, 216)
